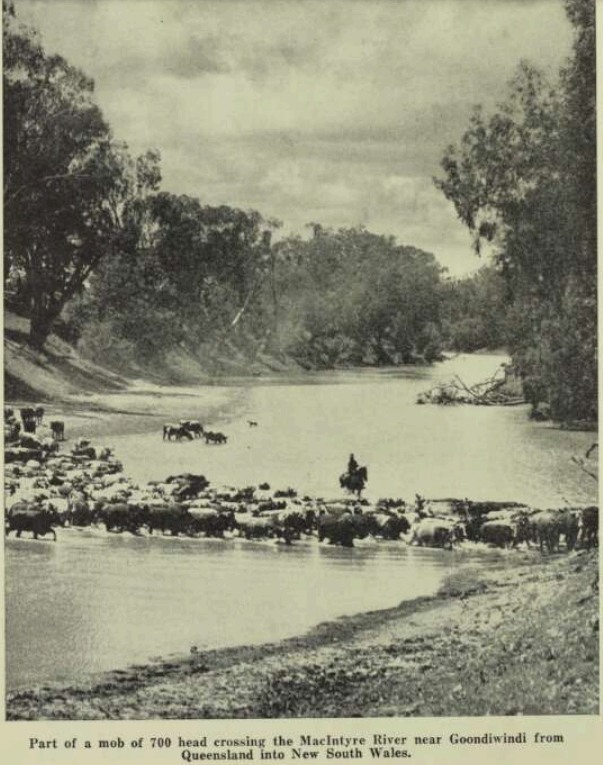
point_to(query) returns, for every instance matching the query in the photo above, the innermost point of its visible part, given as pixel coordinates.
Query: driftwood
(591, 469)
(491, 392)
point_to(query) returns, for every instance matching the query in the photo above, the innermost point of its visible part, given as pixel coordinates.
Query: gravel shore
(520, 637)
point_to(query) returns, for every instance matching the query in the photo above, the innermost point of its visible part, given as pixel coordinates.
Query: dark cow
(193, 427)
(29, 516)
(390, 526)
(169, 517)
(214, 437)
(190, 485)
(57, 428)
(29, 424)
(589, 533)
(177, 432)
(80, 514)
(27, 413)
(337, 529)
(12, 429)
(120, 516)
(39, 414)
(499, 533)
(209, 521)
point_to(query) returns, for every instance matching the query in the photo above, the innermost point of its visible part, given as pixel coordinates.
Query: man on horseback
(355, 478)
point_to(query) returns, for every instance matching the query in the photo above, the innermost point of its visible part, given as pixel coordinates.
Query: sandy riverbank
(520, 637)
(140, 407)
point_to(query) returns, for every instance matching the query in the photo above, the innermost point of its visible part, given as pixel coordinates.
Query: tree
(524, 180)
(66, 181)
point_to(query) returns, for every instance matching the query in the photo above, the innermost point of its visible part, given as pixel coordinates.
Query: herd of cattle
(190, 429)
(86, 486)
(29, 421)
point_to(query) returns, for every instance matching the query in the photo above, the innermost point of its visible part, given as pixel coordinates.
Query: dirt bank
(518, 638)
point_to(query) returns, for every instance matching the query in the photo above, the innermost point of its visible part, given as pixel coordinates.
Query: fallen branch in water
(589, 469)
(490, 392)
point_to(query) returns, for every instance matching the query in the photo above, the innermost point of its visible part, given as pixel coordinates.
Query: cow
(30, 516)
(120, 516)
(545, 530)
(589, 533)
(337, 529)
(186, 485)
(57, 428)
(256, 528)
(193, 427)
(390, 526)
(212, 437)
(39, 414)
(569, 526)
(12, 429)
(168, 517)
(500, 533)
(208, 521)
(176, 431)
(433, 532)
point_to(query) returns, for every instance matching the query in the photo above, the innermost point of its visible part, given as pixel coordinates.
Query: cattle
(212, 437)
(39, 414)
(12, 429)
(337, 529)
(589, 533)
(27, 413)
(177, 432)
(193, 427)
(500, 533)
(569, 526)
(545, 530)
(168, 517)
(208, 521)
(81, 514)
(29, 424)
(252, 423)
(390, 526)
(57, 428)
(120, 516)
(433, 532)
(252, 527)
(186, 485)
(32, 517)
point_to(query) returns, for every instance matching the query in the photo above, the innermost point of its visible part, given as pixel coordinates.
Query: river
(92, 602)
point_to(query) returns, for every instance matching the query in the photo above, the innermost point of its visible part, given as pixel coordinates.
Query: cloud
(330, 111)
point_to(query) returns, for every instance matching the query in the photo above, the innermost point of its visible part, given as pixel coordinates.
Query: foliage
(66, 181)
(184, 277)
(474, 311)
(524, 181)
(357, 297)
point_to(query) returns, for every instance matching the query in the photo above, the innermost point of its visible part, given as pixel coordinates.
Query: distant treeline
(209, 279)
(130, 273)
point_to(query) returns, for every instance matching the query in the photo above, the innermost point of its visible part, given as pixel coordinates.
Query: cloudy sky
(335, 112)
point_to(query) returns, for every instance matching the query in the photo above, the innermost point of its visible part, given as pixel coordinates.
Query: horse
(354, 481)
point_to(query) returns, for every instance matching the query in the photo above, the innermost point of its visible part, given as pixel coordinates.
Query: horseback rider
(352, 465)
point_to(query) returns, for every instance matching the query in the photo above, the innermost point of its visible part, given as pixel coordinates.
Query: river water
(92, 602)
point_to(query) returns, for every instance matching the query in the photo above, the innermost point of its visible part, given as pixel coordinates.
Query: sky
(336, 112)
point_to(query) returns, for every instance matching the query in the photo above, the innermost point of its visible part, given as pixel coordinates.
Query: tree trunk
(41, 322)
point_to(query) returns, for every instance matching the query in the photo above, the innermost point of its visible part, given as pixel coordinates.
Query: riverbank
(518, 637)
